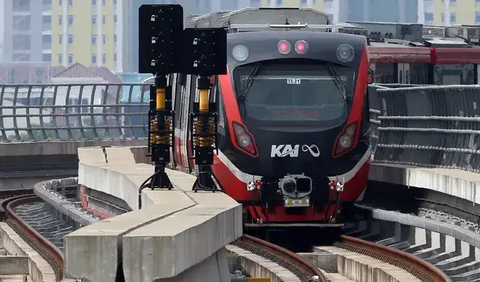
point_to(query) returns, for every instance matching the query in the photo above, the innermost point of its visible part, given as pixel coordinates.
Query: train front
(294, 133)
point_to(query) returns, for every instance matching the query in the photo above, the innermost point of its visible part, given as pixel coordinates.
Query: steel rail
(421, 269)
(44, 247)
(304, 269)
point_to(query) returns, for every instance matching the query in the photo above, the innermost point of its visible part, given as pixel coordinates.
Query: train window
(454, 74)
(306, 91)
(418, 74)
(385, 73)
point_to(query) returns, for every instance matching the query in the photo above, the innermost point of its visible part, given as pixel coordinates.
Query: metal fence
(73, 112)
(433, 126)
(430, 126)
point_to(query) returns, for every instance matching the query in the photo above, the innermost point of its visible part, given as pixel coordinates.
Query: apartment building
(23, 26)
(84, 32)
(452, 12)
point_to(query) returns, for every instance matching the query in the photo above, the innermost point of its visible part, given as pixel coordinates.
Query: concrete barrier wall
(178, 235)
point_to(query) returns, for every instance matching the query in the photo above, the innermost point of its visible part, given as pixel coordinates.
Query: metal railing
(73, 112)
(430, 126)
(433, 126)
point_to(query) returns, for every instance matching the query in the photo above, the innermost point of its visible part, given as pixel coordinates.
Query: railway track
(29, 217)
(13, 213)
(306, 271)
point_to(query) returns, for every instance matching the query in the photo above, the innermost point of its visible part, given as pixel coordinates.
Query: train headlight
(345, 53)
(240, 53)
(244, 139)
(284, 47)
(345, 141)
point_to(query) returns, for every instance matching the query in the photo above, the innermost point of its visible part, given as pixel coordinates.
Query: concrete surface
(257, 266)
(39, 270)
(63, 206)
(176, 235)
(358, 267)
(459, 183)
(13, 265)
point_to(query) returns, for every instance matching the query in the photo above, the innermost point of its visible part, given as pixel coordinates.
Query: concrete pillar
(65, 32)
(216, 5)
(366, 10)
(336, 11)
(421, 12)
(401, 8)
(99, 34)
(446, 14)
(119, 33)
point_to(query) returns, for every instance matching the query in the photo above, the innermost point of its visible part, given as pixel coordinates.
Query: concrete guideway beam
(177, 235)
(454, 182)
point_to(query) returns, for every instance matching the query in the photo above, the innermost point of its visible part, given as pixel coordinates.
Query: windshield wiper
(339, 82)
(247, 84)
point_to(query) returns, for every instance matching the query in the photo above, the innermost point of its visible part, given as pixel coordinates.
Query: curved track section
(410, 263)
(13, 202)
(299, 266)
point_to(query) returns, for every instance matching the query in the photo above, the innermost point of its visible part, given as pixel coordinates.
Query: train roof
(382, 34)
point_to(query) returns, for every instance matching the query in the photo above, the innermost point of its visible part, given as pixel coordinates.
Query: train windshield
(280, 91)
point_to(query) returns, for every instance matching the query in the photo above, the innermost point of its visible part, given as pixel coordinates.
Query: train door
(403, 73)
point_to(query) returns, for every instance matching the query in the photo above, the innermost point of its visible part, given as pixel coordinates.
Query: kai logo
(287, 150)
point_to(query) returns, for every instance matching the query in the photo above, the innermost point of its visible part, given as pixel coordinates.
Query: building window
(20, 5)
(21, 23)
(115, 19)
(94, 59)
(70, 20)
(70, 2)
(453, 18)
(47, 23)
(477, 17)
(70, 58)
(279, 2)
(94, 2)
(60, 38)
(104, 19)
(255, 3)
(94, 20)
(104, 39)
(429, 16)
(46, 42)
(47, 2)
(115, 57)
(47, 57)
(60, 59)
(115, 38)
(60, 20)
(104, 59)
(70, 39)
(104, 2)
(94, 39)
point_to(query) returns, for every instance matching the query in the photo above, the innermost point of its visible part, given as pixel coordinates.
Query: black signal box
(160, 38)
(205, 51)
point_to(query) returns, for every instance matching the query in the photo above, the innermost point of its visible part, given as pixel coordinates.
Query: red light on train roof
(284, 47)
(301, 47)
